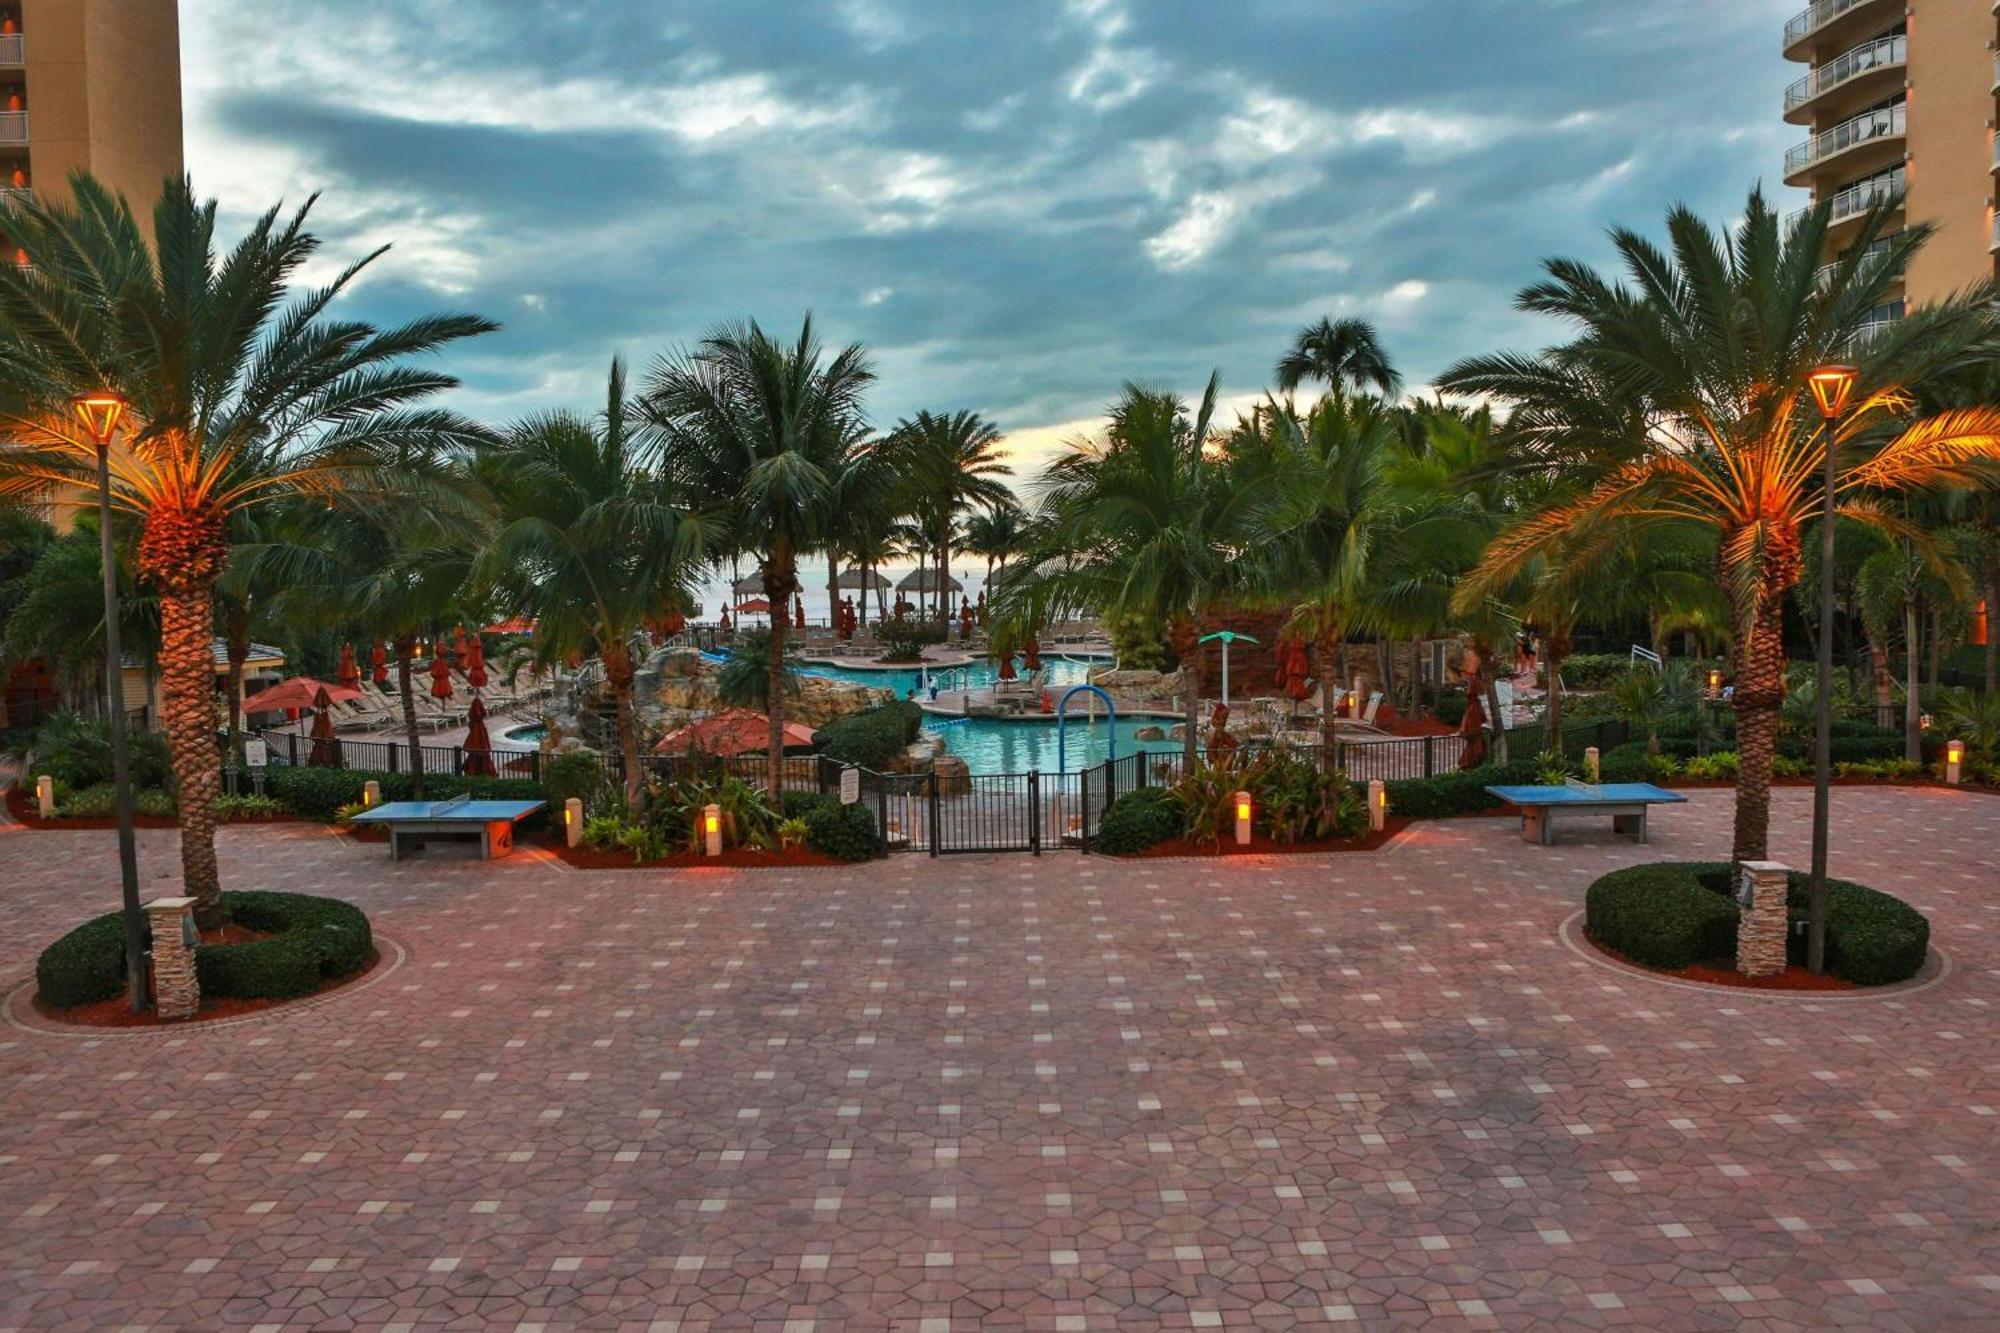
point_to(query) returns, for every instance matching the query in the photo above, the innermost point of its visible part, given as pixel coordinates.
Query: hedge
(1459, 793)
(1138, 820)
(318, 793)
(844, 832)
(873, 737)
(312, 941)
(1676, 913)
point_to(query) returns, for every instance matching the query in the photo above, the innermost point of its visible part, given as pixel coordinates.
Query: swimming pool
(1062, 671)
(990, 746)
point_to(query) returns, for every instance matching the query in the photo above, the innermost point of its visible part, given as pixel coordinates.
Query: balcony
(11, 196)
(1826, 18)
(1847, 71)
(1874, 251)
(13, 127)
(1994, 244)
(1881, 126)
(1859, 197)
(13, 49)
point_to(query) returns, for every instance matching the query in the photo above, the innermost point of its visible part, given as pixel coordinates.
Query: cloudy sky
(1016, 204)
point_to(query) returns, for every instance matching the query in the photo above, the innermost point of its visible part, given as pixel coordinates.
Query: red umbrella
(298, 692)
(965, 618)
(348, 673)
(755, 606)
(380, 658)
(475, 665)
(440, 677)
(725, 617)
(325, 749)
(1297, 669)
(458, 644)
(1031, 655)
(732, 732)
(1473, 727)
(676, 622)
(845, 619)
(478, 745)
(1007, 667)
(516, 626)
(798, 612)
(982, 608)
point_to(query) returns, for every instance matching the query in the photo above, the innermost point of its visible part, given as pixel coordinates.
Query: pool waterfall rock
(676, 684)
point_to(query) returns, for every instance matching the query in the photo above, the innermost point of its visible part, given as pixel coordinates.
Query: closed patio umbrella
(1296, 671)
(349, 672)
(475, 665)
(325, 749)
(478, 745)
(725, 618)
(798, 612)
(379, 657)
(458, 644)
(1031, 655)
(1007, 667)
(440, 676)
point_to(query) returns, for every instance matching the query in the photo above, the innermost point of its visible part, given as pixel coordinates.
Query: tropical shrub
(576, 774)
(1296, 801)
(319, 793)
(874, 737)
(1138, 820)
(844, 832)
(75, 749)
(248, 808)
(101, 802)
(1715, 767)
(1206, 796)
(1592, 671)
(1450, 708)
(1460, 793)
(674, 813)
(904, 640)
(311, 941)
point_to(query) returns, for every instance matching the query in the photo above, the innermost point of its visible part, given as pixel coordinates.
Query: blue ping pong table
(1625, 802)
(492, 822)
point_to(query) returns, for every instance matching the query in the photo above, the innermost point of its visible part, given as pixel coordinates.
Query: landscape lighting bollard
(1591, 768)
(572, 821)
(45, 796)
(1378, 804)
(1242, 819)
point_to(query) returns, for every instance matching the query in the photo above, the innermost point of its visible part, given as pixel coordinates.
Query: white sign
(256, 753)
(850, 785)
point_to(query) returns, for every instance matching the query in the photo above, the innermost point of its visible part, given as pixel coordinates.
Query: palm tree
(242, 391)
(765, 432)
(1146, 524)
(996, 533)
(591, 542)
(1342, 354)
(949, 464)
(1707, 352)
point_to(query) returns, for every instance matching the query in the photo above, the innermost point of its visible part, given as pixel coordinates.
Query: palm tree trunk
(1185, 640)
(781, 575)
(239, 653)
(187, 708)
(1913, 695)
(1935, 649)
(1329, 730)
(1760, 678)
(1555, 651)
(1989, 609)
(407, 692)
(618, 675)
(1885, 685)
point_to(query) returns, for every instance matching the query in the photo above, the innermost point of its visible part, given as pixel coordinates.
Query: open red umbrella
(440, 677)
(325, 749)
(798, 612)
(349, 672)
(478, 745)
(731, 732)
(475, 665)
(379, 658)
(298, 692)
(1031, 655)
(755, 606)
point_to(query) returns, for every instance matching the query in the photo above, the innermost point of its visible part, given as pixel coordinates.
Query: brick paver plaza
(1009, 1093)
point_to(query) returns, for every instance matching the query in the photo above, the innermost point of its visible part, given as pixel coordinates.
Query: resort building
(1899, 99)
(90, 85)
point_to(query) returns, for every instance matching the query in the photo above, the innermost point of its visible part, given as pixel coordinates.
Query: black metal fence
(296, 751)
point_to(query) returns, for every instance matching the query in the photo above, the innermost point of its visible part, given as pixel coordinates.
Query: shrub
(1672, 914)
(1138, 820)
(1592, 671)
(319, 793)
(1297, 801)
(574, 773)
(1460, 793)
(312, 940)
(675, 813)
(1717, 767)
(101, 802)
(248, 807)
(844, 832)
(76, 749)
(874, 737)
(904, 640)
(1450, 708)
(1660, 916)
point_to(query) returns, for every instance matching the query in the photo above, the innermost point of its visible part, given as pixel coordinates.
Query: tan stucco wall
(104, 93)
(1951, 142)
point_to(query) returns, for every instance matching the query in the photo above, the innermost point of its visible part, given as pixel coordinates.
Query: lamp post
(1831, 387)
(100, 412)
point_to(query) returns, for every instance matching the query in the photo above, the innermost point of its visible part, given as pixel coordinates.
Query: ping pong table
(1625, 802)
(492, 822)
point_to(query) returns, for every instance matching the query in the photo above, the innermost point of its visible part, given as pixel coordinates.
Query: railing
(11, 195)
(1863, 195)
(1816, 16)
(292, 750)
(13, 127)
(13, 48)
(1874, 250)
(1994, 244)
(1886, 123)
(1878, 54)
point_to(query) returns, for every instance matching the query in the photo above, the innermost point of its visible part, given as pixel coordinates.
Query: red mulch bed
(117, 1013)
(1724, 973)
(1263, 846)
(21, 805)
(736, 858)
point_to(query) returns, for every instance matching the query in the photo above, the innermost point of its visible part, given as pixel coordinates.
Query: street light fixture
(1832, 387)
(100, 413)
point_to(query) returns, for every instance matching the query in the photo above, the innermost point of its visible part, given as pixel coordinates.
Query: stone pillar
(1760, 935)
(1591, 770)
(572, 821)
(176, 990)
(45, 796)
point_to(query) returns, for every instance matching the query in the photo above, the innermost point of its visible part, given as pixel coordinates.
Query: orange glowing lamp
(100, 412)
(1831, 387)
(711, 824)
(1954, 752)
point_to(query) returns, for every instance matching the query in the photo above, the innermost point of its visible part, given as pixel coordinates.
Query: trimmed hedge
(873, 737)
(1676, 913)
(318, 793)
(1459, 793)
(313, 940)
(844, 832)
(1138, 820)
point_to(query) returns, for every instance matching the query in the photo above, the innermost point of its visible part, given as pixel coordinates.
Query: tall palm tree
(950, 463)
(1708, 349)
(1342, 354)
(242, 391)
(996, 533)
(1146, 524)
(765, 431)
(591, 541)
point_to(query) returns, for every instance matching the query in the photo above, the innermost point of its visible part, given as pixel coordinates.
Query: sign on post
(850, 785)
(256, 752)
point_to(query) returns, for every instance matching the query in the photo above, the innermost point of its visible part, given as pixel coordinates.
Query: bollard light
(1378, 804)
(1591, 768)
(711, 829)
(1242, 819)
(1714, 682)
(573, 821)
(45, 796)
(1954, 762)
(371, 794)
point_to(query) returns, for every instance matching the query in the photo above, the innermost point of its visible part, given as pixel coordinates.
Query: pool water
(989, 746)
(1062, 672)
